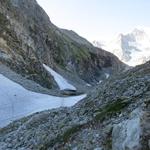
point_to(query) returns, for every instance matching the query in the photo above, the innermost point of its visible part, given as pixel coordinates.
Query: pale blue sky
(98, 19)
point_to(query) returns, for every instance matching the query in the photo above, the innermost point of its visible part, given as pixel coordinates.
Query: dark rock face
(115, 116)
(28, 39)
(17, 43)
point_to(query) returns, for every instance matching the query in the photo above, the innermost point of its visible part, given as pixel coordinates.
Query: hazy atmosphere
(98, 19)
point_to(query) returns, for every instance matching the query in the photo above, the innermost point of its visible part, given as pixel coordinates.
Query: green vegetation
(80, 52)
(60, 138)
(109, 143)
(111, 109)
(3, 19)
(71, 131)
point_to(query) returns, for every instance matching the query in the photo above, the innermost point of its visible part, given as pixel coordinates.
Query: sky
(98, 19)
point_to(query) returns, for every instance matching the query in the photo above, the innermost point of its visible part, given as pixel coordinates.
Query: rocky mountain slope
(28, 40)
(116, 115)
(132, 48)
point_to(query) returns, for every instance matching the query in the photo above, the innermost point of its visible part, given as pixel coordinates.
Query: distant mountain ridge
(132, 48)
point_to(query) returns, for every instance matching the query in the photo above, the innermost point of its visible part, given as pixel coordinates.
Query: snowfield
(62, 83)
(17, 102)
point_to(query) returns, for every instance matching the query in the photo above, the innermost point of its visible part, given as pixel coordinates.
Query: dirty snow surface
(62, 82)
(17, 102)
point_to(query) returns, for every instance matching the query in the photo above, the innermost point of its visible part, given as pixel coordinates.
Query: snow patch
(62, 82)
(107, 75)
(99, 82)
(88, 84)
(17, 102)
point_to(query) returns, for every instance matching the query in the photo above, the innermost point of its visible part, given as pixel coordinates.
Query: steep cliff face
(28, 39)
(18, 48)
(115, 116)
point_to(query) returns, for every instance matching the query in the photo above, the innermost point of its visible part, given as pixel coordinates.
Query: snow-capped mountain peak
(132, 48)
